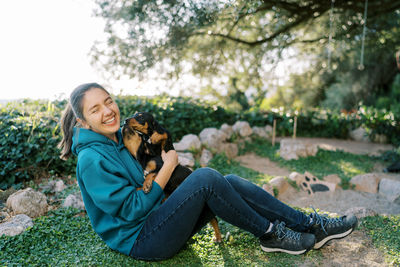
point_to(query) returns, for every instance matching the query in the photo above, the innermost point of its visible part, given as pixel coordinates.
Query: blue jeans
(204, 194)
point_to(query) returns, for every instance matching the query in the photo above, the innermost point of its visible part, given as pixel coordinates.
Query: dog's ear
(158, 127)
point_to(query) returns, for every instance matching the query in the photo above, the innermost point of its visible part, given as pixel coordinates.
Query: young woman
(140, 225)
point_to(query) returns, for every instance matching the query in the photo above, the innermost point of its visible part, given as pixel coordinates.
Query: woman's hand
(170, 158)
(170, 162)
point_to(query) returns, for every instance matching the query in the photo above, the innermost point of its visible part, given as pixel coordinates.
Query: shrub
(30, 132)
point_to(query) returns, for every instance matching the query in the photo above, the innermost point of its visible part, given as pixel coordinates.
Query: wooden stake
(294, 127)
(273, 132)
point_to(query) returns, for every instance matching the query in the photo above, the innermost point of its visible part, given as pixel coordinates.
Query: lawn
(65, 238)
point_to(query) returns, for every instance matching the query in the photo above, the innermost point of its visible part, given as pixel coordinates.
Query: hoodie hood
(84, 138)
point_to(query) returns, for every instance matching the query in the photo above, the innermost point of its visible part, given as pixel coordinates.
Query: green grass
(325, 162)
(385, 234)
(63, 238)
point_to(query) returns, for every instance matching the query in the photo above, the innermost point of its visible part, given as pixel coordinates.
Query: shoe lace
(323, 220)
(282, 232)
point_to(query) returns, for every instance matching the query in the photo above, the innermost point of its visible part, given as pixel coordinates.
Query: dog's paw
(147, 185)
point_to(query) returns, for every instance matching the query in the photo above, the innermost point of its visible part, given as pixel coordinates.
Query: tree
(214, 39)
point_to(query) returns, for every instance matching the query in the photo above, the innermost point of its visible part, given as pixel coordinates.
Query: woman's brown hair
(73, 111)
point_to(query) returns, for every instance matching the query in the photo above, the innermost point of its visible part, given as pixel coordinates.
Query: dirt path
(357, 249)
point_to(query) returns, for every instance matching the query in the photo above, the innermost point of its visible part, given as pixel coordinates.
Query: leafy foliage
(235, 46)
(28, 144)
(29, 131)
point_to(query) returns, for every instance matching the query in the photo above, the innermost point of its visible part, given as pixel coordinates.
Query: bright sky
(44, 49)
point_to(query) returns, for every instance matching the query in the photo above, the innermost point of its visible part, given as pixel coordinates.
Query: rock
(360, 212)
(59, 186)
(206, 156)
(334, 179)
(188, 142)
(269, 189)
(231, 150)
(54, 186)
(296, 177)
(366, 182)
(242, 128)
(29, 202)
(186, 159)
(280, 184)
(359, 134)
(16, 225)
(260, 131)
(212, 137)
(390, 189)
(227, 129)
(293, 149)
(74, 201)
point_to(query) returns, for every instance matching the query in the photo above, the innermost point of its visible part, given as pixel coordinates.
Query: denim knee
(207, 176)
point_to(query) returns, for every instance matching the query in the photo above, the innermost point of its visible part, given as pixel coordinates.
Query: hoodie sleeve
(115, 194)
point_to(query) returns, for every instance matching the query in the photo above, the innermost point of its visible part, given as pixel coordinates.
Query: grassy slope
(64, 238)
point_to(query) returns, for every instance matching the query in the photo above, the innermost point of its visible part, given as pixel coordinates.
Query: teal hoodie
(108, 176)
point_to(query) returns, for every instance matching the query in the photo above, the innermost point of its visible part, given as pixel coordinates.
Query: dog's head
(150, 130)
(132, 139)
(143, 122)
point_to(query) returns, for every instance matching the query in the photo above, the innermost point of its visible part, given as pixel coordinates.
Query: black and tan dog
(145, 138)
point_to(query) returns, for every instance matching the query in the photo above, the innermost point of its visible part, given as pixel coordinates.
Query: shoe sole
(283, 250)
(326, 239)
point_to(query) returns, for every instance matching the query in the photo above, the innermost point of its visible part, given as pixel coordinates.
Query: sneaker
(326, 229)
(282, 239)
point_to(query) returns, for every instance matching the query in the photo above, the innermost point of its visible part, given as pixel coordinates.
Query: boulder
(359, 134)
(242, 128)
(212, 138)
(269, 189)
(261, 132)
(186, 159)
(231, 150)
(366, 182)
(29, 202)
(227, 129)
(54, 186)
(188, 142)
(293, 149)
(16, 225)
(74, 201)
(280, 184)
(205, 157)
(334, 179)
(390, 189)
(360, 212)
(268, 130)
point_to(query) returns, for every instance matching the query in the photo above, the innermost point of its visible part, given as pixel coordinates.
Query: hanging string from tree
(330, 34)
(361, 66)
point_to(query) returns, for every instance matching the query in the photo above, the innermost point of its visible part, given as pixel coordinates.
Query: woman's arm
(170, 162)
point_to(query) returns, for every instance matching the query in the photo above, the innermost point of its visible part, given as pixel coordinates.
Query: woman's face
(101, 113)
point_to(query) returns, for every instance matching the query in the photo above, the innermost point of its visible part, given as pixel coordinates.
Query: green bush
(28, 144)
(30, 132)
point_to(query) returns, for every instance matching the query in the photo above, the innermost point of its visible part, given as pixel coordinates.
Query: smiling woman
(100, 113)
